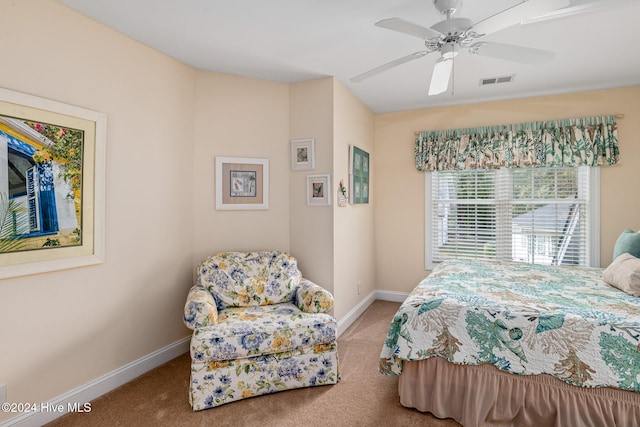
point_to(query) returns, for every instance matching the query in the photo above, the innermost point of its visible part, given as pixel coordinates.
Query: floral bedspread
(522, 318)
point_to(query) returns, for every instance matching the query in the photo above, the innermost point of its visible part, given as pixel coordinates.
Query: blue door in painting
(41, 199)
(36, 182)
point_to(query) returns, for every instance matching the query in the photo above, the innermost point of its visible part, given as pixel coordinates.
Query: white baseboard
(355, 312)
(77, 398)
(351, 316)
(392, 296)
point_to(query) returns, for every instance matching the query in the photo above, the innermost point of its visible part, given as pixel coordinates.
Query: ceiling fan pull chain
(453, 76)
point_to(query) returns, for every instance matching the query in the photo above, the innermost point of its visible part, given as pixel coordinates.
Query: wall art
(242, 183)
(52, 180)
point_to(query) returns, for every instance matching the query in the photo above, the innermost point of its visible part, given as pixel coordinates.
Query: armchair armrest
(200, 308)
(313, 298)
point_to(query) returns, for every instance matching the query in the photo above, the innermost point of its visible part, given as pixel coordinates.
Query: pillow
(624, 274)
(628, 242)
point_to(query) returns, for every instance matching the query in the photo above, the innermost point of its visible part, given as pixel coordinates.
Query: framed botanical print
(242, 183)
(319, 190)
(303, 154)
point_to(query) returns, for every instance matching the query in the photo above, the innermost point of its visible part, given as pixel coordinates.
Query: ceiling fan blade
(516, 14)
(440, 76)
(388, 66)
(406, 27)
(576, 7)
(524, 55)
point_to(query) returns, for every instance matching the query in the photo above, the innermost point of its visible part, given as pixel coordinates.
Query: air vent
(495, 80)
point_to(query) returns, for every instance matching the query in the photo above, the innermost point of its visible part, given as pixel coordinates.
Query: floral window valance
(591, 141)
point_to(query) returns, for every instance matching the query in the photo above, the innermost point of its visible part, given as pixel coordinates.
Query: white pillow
(624, 274)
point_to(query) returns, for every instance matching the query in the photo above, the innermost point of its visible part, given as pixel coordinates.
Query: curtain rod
(617, 116)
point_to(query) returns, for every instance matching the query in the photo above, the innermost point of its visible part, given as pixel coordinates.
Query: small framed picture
(242, 183)
(319, 190)
(303, 154)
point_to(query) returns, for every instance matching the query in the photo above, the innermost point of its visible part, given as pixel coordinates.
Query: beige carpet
(362, 397)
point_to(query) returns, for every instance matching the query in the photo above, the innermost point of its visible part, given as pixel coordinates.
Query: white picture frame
(303, 154)
(242, 183)
(319, 190)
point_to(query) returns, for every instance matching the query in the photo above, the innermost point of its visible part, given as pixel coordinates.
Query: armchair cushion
(261, 330)
(242, 279)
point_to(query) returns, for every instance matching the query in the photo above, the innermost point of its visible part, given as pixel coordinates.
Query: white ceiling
(296, 40)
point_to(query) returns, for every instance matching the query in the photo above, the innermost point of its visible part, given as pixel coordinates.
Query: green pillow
(627, 243)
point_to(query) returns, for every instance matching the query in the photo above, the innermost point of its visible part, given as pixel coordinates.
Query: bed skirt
(484, 396)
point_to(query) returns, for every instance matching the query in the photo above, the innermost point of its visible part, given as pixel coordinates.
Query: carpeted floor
(362, 397)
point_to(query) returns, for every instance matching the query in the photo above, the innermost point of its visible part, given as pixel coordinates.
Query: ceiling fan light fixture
(449, 50)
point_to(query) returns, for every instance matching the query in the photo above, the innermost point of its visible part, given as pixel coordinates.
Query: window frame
(593, 226)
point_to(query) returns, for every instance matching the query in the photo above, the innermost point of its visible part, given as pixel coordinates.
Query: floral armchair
(258, 327)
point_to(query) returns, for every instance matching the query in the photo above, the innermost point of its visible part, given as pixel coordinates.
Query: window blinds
(534, 215)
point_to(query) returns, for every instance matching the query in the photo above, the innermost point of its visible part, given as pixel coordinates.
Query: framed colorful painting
(242, 183)
(52, 179)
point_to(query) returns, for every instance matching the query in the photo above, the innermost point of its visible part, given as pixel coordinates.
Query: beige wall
(334, 245)
(354, 257)
(399, 192)
(312, 226)
(239, 117)
(61, 330)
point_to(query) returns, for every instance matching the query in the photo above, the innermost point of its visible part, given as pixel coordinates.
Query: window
(17, 164)
(533, 215)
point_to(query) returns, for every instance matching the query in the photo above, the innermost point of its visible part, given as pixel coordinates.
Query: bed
(491, 343)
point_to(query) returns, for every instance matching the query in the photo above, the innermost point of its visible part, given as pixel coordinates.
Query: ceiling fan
(449, 36)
